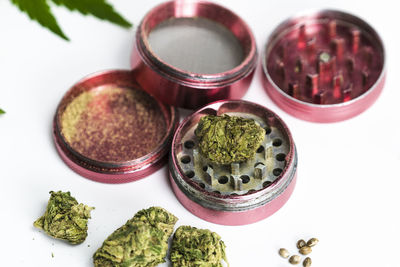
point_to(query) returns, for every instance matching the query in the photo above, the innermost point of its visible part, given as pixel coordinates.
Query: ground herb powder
(112, 124)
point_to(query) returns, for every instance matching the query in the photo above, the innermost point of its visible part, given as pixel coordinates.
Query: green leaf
(2, 111)
(98, 8)
(39, 10)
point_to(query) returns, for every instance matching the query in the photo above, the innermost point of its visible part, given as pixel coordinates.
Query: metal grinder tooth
(311, 47)
(236, 183)
(337, 86)
(350, 65)
(367, 56)
(326, 67)
(355, 40)
(338, 48)
(347, 93)
(320, 97)
(196, 156)
(280, 70)
(235, 168)
(301, 41)
(365, 76)
(209, 174)
(299, 65)
(294, 89)
(312, 84)
(282, 51)
(260, 171)
(325, 58)
(332, 29)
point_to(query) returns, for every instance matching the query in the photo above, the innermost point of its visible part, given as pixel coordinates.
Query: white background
(348, 178)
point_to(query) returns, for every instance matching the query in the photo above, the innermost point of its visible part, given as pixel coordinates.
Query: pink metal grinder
(240, 193)
(324, 67)
(108, 129)
(191, 53)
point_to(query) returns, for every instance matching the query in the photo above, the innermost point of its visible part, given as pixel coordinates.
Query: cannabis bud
(225, 139)
(141, 242)
(192, 247)
(65, 218)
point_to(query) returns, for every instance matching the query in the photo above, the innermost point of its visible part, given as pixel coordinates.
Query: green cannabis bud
(192, 247)
(65, 218)
(141, 242)
(225, 139)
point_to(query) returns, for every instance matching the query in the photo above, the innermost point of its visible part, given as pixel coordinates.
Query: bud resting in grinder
(228, 139)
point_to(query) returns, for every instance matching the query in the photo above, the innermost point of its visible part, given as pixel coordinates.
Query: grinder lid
(191, 53)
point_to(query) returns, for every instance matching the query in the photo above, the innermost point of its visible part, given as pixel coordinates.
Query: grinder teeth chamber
(235, 178)
(240, 192)
(326, 66)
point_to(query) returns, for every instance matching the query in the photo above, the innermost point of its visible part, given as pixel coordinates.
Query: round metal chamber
(239, 193)
(190, 53)
(108, 129)
(325, 66)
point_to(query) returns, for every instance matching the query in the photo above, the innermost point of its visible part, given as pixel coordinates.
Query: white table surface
(348, 178)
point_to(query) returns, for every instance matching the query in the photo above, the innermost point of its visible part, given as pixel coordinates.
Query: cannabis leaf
(39, 10)
(98, 8)
(2, 111)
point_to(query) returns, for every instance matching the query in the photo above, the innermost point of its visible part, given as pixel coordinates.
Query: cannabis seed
(312, 242)
(295, 259)
(284, 253)
(301, 243)
(305, 250)
(307, 262)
